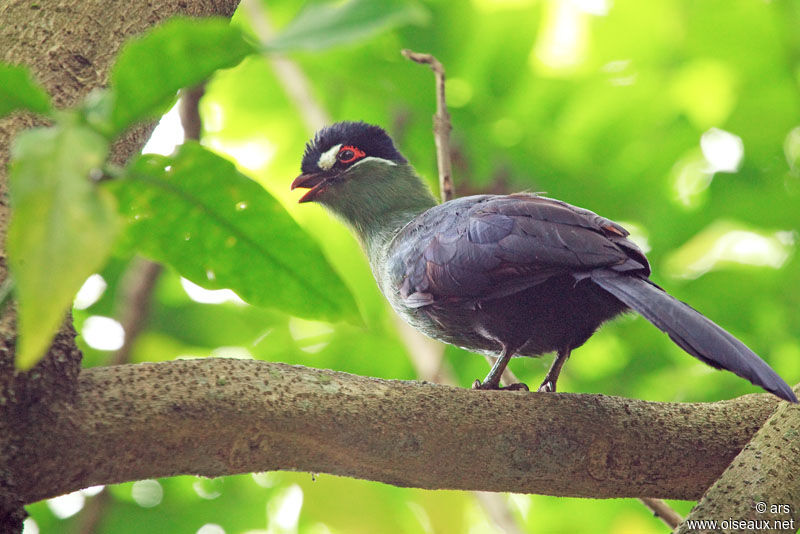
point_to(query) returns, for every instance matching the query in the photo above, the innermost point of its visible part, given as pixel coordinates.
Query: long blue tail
(693, 332)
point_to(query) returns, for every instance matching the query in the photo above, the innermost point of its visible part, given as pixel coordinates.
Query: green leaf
(181, 52)
(220, 229)
(62, 227)
(19, 91)
(322, 25)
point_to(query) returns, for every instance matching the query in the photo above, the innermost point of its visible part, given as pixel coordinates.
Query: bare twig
(142, 275)
(496, 506)
(663, 511)
(93, 513)
(190, 113)
(136, 290)
(441, 124)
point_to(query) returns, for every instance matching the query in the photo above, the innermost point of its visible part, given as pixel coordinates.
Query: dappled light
(252, 155)
(561, 45)
(723, 150)
(29, 526)
(724, 244)
(211, 528)
(103, 333)
(209, 296)
(691, 177)
(207, 488)
(720, 151)
(147, 493)
(283, 510)
(791, 149)
(65, 506)
(167, 135)
(89, 293)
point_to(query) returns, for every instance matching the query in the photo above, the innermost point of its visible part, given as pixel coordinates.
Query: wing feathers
(488, 246)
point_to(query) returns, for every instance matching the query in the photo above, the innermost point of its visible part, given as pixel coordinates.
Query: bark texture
(220, 416)
(69, 46)
(761, 487)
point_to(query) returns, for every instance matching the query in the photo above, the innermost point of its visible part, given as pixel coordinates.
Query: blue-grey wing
(489, 246)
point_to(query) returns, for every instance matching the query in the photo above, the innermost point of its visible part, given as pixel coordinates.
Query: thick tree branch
(762, 484)
(216, 416)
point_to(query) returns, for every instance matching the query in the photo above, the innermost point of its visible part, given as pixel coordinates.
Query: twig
(190, 114)
(441, 124)
(93, 513)
(142, 275)
(663, 511)
(498, 510)
(136, 290)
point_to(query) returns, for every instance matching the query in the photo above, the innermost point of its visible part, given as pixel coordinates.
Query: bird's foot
(547, 387)
(519, 386)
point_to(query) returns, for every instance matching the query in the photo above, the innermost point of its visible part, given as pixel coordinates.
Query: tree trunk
(69, 45)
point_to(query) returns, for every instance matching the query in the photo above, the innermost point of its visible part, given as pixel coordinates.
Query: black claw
(496, 387)
(547, 387)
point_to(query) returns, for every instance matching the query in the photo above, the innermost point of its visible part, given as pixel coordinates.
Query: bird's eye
(348, 154)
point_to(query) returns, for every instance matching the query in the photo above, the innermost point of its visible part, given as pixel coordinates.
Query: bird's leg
(549, 382)
(492, 380)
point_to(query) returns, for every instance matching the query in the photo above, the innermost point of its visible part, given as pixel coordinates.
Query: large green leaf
(323, 25)
(19, 91)
(181, 52)
(220, 229)
(61, 230)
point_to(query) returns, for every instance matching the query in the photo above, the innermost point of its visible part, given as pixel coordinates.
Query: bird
(505, 275)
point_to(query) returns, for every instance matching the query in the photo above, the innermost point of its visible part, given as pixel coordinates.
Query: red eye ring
(348, 154)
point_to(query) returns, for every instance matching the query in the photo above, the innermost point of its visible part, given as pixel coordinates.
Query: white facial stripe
(328, 158)
(373, 158)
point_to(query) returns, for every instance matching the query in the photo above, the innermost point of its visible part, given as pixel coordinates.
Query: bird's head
(354, 169)
(338, 154)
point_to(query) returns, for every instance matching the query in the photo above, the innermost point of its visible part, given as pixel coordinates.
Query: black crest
(372, 140)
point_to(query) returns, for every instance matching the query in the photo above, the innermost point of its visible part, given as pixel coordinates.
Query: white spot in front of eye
(328, 158)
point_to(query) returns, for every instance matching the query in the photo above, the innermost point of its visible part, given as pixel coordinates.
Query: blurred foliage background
(679, 119)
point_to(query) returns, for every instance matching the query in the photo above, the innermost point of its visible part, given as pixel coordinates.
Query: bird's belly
(556, 314)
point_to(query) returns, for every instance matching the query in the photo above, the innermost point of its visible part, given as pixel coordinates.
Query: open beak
(314, 181)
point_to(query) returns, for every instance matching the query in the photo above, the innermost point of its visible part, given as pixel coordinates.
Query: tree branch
(762, 483)
(663, 511)
(216, 417)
